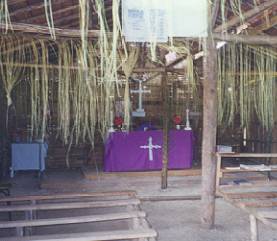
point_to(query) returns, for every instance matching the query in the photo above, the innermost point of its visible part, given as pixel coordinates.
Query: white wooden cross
(139, 111)
(150, 146)
(187, 127)
(111, 129)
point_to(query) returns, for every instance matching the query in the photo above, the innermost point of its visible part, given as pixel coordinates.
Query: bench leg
(30, 215)
(10, 213)
(254, 228)
(19, 232)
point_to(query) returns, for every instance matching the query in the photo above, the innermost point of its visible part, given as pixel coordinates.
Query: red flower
(177, 120)
(118, 121)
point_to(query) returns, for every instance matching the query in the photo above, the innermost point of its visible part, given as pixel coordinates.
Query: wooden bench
(260, 205)
(221, 171)
(66, 196)
(93, 236)
(137, 228)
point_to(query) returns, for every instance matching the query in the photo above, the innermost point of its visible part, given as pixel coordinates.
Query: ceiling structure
(259, 20)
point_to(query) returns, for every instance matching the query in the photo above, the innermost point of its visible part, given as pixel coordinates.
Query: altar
(142, 150)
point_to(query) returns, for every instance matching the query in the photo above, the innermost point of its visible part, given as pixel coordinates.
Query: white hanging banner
(156, 20)
(144, 20)
(188, 18)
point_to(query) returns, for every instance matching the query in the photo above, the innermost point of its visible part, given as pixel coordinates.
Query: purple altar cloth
(129, 151)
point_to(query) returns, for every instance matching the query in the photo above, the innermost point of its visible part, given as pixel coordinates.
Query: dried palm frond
(4, 15)
(49, 17)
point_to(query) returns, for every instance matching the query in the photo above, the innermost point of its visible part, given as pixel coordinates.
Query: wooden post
(218, 171)
(254, 228)
(165, 131)
(209, 129)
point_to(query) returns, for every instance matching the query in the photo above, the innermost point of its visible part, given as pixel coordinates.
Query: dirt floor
(173, 220)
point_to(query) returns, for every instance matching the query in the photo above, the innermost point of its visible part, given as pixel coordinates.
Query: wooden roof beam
(249, 14)
(30, 8)
(215, 12)
(44, 30)
(267, 25)
(67, 21)
(15, 2)
(248, 39)
(57, 12)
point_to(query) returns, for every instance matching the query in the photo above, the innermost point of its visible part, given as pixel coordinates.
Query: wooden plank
(248, 39)
(169, 198)
(75, 67)
(258, 195)
(271, 214)
(72, 220)
(259, 203)
(246, 170)
(72, 205)
(92, 175)
(93, 236)
(270, 223)
(254, 184)
(68, 196)
(254, 155)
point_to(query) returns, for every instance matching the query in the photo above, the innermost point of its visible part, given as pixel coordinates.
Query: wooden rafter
(44, 30)
(55, 13)
(68, 19)
(248, 39)
(215, 12)
(267, 25)
(31, 8)
(15, 2)
(249, 14)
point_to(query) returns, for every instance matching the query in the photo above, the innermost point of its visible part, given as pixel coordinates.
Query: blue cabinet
(28, 156)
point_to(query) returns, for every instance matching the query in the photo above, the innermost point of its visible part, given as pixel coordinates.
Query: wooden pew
(138, 227)
(93, 236)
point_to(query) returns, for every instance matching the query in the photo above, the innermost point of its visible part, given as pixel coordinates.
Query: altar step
(91, 174)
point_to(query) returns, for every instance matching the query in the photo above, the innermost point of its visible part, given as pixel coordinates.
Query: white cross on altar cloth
(150, 146)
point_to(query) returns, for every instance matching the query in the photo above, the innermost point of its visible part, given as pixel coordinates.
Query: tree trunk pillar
(209, 131)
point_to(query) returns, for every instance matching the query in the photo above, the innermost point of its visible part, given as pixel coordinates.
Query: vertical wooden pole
(209, 129)
(218, 171)
(254, 228)
(165, 130)
(274, 144)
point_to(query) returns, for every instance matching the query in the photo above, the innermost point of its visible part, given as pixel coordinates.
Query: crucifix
(187, 128)
(111, 129)
(139, 111)
(150, 148)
